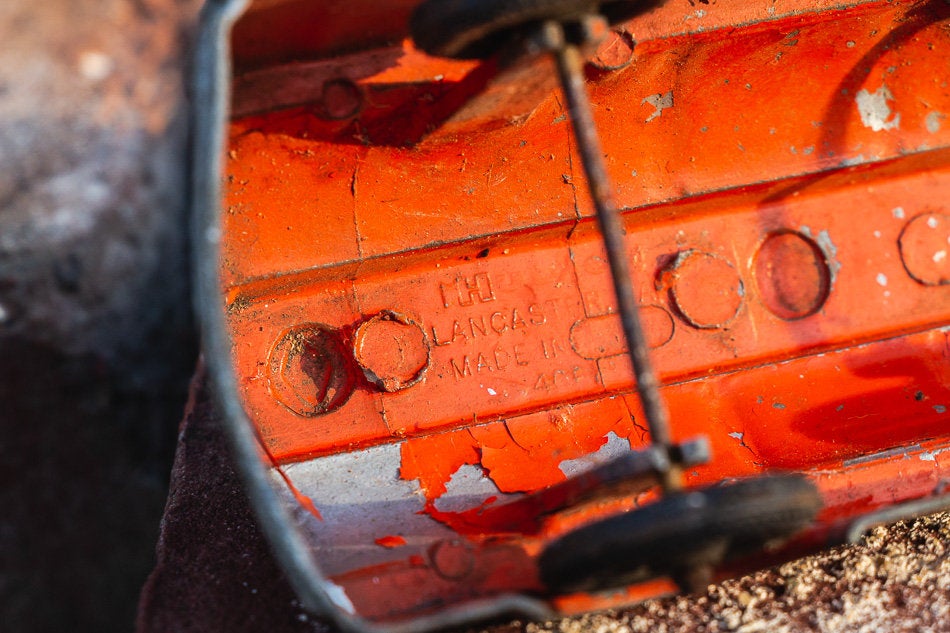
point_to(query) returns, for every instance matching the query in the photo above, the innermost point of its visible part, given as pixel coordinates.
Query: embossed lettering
(467, 291)
(458, 332)
(502, 358)
(446, 291)
(551, 348)
(494, 324)
(481, 326)
(558, 377)
(464, 370)
(543, 383)
(436, 340)
(516, 320)
(498, 322)
(519, 355)
(536, 314)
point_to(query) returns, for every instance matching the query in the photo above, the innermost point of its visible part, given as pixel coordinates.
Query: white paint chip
(882, 279)
(614, 447)
(492, 392)
(932, 122)
(660, 102)
(931, 456)
(898, 212)
(468, 488)
(875, 111)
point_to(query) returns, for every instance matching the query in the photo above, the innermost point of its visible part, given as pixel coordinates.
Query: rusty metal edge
(892, 514)
(211, 97)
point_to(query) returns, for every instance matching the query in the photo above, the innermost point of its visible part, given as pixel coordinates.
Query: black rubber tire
(679, 532)
(476, 29)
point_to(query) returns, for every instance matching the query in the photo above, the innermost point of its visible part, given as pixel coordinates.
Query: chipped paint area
(931, 456)
(614, 447)
(823, 239)
(660, 102)
(900, 451)
(364, 502)
(522, 454)
(469, 487)
(875, 110)
(391, 541)
(933, 121)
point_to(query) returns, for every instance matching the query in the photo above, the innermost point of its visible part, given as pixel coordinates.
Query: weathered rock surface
(96, 343)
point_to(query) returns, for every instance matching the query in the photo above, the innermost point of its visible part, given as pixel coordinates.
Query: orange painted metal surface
(408, 262)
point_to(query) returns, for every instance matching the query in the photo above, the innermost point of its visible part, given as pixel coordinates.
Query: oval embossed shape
(792, 275)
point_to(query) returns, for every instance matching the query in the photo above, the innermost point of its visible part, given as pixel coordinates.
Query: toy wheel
(475, 29)
(680, 532)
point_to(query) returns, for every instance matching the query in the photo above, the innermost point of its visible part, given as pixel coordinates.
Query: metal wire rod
(570, 70)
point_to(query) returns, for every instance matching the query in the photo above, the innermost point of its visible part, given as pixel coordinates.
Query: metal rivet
(706, 289)
(308, 370)
(392, 350)
(341, 99)
(925, 249)
(452, 559)
(791, 274)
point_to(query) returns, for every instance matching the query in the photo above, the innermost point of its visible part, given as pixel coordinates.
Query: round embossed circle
(392, 350)
(792, 275)
(706, 289)
(925, 249)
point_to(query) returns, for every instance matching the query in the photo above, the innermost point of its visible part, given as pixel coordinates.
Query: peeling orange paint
(391, 541)
(768, 198)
